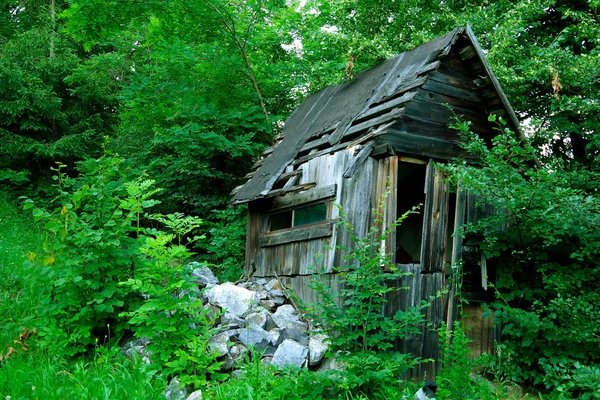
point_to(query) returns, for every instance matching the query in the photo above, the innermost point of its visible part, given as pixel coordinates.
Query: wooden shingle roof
(371, 105)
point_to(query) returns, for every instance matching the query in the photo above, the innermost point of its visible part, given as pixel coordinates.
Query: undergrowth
(31, 373)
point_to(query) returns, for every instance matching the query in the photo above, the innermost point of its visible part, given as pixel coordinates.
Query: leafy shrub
(361, 336)
(225, 246)
(92, 243)
(172, 316)
(456, 379)
(546, 257)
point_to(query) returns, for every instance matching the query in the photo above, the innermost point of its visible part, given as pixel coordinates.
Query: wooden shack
(347, 145)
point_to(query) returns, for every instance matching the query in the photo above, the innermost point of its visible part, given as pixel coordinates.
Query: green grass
(19, 235)
(34, 373)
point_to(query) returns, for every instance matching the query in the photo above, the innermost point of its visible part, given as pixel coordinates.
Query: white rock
(203, 275)
(289, 353)
(234, 299)
(219, 344)
(285, 317)
(232, 320)
(255, 336)
(197, 395)
(174, 392)
(316, 348)
(275, 332)
(259, 318)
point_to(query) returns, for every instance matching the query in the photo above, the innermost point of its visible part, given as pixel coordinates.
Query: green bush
(361, 336)
(93, 240)
(546, 249)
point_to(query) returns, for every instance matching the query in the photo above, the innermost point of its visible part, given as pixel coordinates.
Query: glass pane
(310, 214)
(281, 221)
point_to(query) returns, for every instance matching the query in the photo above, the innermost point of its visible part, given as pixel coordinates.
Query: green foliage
(110, 375)
(32, 373)
(266, 382)
(360, 333)
(92, 244)
(46, 113)
(546, 259)
(172, 316)
(226, 245)
(456, 379)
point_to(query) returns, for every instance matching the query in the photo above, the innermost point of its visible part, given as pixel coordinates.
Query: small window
(281, 221)
(298, 217)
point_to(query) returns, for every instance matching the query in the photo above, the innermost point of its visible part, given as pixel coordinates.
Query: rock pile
(255, 315)
(258, 315)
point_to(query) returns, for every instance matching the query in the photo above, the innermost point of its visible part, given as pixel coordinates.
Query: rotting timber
(381, 133)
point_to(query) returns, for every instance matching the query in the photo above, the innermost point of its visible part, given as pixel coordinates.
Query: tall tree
(48, 111)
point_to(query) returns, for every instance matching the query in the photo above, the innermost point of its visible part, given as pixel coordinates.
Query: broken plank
(298, 188)
(296, 234)
(294, 199)
(382, 107)
(359, 160)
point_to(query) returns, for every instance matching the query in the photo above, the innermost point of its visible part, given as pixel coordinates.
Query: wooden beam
(294, 199)
(297, 188)
(296, 234)
(359, 160)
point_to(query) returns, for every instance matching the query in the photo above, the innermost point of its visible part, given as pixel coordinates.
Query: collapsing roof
(398, 105)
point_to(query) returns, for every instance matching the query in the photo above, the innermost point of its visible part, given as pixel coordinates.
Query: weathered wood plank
(296, 234)
(437, 113)
(450, 90)
(435, 221)
(360, 158)
(379, 120)
(385, 199)
(284, 191)
(387, 105)
(296, 199)
(405, 141)
(479, 329)
(453, 80)
(382, 150)
(252, 232)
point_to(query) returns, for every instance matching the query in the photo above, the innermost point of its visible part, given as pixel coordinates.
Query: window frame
(293, 202)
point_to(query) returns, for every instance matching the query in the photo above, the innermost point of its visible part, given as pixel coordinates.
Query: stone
(266, 360)
(238, 352)
(267, 304)
(279, 300)
(273, 284)
(213, 313)
(232, 321)
(174, 392)
(197, 395)
(229, 360)
(203, 275)
(256, 337)
(297, 335)
(275, 332)
(258, 318)
(286, 317)
(139, 348)
(219, 344)
(317, 348)
(289, 353)
(329, 364)
(234, 299)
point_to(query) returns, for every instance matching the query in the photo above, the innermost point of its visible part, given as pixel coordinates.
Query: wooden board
(435, 222)
(478, 328)
(416, 287)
